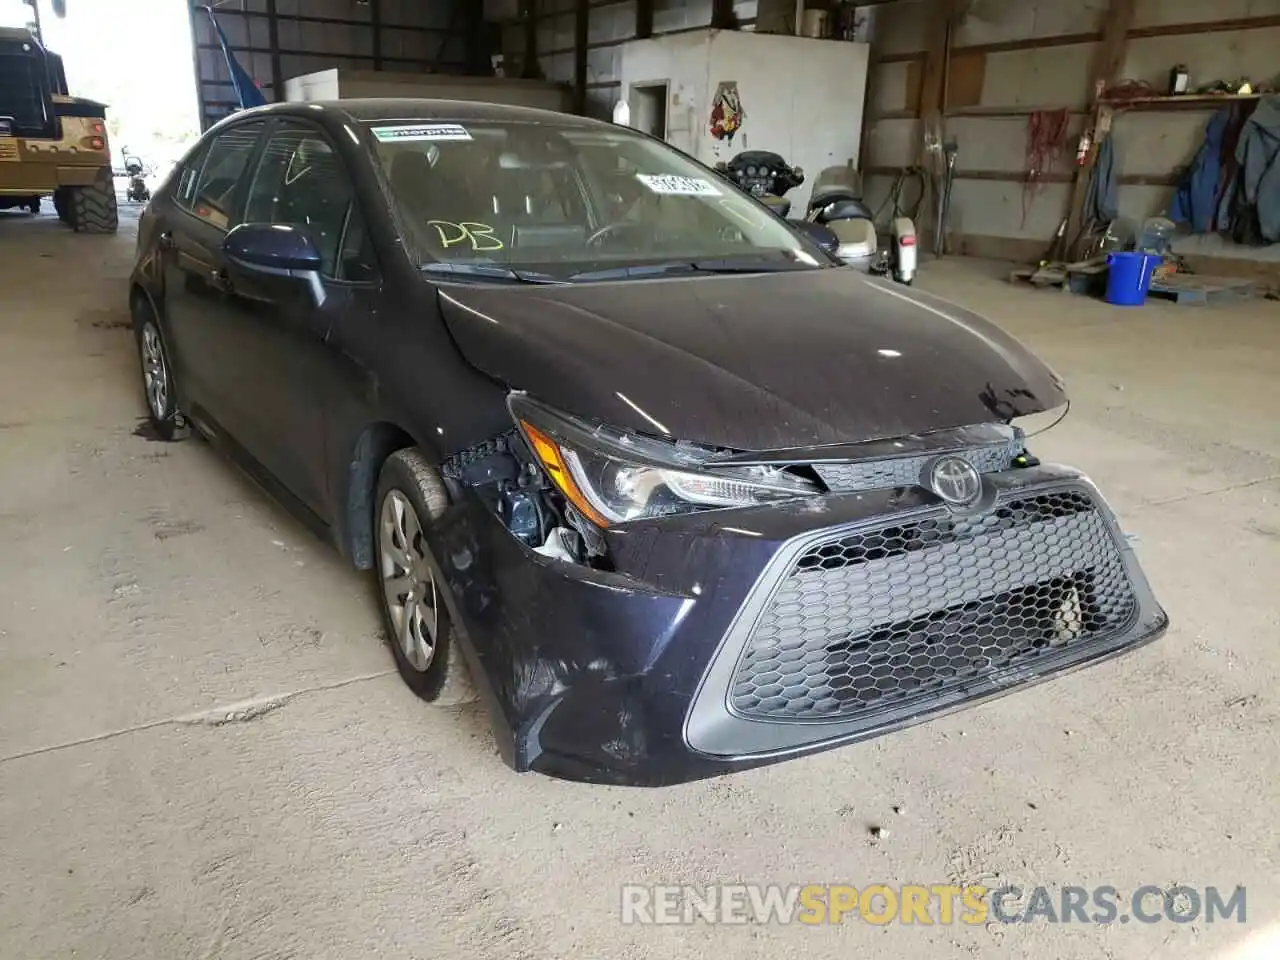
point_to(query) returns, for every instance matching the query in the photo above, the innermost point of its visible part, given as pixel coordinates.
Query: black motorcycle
(767, 177)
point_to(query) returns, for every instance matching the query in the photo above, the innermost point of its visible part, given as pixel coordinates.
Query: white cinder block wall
(802, 98)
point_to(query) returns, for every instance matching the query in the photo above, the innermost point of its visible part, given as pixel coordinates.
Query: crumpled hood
(763, 362)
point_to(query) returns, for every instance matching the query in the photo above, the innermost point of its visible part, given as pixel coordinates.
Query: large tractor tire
(93, 208)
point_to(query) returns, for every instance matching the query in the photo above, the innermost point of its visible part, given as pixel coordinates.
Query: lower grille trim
(714, 726)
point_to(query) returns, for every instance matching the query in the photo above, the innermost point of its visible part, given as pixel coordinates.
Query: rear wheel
(93, 208)
(157, 376)
(410, 496)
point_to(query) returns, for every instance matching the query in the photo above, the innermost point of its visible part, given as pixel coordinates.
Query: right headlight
(612, 475)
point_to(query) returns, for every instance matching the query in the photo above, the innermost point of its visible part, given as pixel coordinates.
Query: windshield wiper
(691, 266)
(487, 271)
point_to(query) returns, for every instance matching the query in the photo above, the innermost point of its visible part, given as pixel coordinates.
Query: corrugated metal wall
(278, 39)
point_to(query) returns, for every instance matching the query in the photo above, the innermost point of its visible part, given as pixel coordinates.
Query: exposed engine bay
(504, 474)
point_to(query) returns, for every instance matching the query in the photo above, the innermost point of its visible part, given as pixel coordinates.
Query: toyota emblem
(955, 480)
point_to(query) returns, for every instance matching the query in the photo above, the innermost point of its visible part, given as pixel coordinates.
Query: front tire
(422, 637)
(93, 208)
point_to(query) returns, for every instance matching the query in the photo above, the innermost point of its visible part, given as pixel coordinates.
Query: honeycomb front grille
(876, 619)
(907, 471)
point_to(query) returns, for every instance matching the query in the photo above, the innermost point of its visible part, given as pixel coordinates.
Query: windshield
(569, 202)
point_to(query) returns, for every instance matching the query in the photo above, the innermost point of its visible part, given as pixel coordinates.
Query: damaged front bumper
(731, 638)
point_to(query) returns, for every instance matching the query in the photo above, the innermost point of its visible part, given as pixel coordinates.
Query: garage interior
(205, 750)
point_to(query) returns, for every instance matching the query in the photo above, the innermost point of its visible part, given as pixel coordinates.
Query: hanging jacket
(1196, 200)
(1259, 181)
(1101, 200)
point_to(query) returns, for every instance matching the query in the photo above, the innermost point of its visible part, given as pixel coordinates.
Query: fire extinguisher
(1082, 152)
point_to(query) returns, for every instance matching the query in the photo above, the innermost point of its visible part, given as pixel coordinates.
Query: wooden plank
(1107, 60)
(1049, 176)
(1207, 26)
(1011, 111)
(1068, 39)
(933, 74)
(1187, 101)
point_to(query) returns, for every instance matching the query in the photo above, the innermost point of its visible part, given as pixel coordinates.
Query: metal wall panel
(275, 40)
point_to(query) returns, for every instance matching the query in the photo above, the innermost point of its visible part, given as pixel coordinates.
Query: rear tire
(410, 588)
(158, 387)
(93, 208)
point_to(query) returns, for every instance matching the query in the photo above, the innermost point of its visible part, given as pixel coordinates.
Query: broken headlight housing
(612, 476)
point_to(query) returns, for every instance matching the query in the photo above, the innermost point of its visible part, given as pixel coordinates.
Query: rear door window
(210, 195)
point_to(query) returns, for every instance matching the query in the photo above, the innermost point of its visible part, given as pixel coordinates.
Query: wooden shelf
(1186, 101)
(1016, 110)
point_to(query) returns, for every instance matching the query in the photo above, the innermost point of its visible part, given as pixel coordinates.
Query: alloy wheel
(155, 372)
(408, 584)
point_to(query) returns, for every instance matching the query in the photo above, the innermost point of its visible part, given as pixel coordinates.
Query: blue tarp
(247, 91)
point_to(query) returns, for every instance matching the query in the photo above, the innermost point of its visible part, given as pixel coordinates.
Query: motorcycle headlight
(612, 476)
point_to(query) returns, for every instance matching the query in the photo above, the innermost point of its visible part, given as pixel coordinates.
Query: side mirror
(272, 248)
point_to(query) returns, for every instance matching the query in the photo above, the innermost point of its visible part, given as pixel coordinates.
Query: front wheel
(410, 588)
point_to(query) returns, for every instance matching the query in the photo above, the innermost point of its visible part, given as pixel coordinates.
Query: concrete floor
(145, 588)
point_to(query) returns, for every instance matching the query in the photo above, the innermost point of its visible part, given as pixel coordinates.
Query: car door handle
(165, 240)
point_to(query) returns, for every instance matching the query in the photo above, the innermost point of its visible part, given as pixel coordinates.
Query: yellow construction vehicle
(51, 144)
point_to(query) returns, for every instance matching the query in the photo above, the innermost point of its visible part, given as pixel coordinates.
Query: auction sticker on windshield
(404, 133)
(679, 186)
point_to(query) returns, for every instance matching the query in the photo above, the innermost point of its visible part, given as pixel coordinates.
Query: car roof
(374, 110)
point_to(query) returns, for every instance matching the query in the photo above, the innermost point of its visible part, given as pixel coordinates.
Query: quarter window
(213, 195)
(300, 181)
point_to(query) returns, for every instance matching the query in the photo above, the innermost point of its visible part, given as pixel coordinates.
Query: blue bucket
(1129, 278)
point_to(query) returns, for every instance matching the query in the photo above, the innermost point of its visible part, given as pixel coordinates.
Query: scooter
(836, 203)
(138, 191)
(767, 177)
